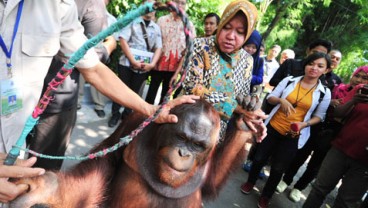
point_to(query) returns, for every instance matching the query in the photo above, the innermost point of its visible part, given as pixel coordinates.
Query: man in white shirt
(270, 64)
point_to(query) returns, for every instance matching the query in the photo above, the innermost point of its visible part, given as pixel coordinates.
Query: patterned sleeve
(195, 68)
(247, 76)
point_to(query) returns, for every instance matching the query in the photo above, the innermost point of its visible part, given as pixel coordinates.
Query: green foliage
(344, 22)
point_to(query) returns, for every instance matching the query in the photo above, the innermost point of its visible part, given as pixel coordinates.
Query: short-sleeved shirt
(133, 35)
(45, 28)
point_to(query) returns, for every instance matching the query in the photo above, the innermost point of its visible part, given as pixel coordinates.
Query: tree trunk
(280, 12)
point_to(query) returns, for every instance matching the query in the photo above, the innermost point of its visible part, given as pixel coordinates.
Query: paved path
(90, 130)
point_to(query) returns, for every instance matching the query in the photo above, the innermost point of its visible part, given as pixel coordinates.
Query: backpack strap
(321, 95)
(145, 36)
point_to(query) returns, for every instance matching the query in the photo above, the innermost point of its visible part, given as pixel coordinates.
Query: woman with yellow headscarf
(220, 70)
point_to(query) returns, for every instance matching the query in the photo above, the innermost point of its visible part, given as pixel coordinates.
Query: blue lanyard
(7, 52)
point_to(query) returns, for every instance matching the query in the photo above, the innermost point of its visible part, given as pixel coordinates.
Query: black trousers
(282, 150)
(319, 144)
(51, 136)
(133, 80)
(158, 77)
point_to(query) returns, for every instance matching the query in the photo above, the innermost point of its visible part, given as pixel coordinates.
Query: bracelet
(308, 123)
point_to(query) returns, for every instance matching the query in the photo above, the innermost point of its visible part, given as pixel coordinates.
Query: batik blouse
(217, 80)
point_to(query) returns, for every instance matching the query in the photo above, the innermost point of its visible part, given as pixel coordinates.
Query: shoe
(246, 188)
(263, 202)
(295, 195)
(100, 113)
(281, 187)
(114, 119)
(262, 174)
(247, 165)
(79, 106)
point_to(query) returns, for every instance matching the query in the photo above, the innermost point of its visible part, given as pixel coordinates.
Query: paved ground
(90, 129)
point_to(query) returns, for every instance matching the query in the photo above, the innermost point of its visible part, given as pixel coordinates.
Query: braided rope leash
(68, 68)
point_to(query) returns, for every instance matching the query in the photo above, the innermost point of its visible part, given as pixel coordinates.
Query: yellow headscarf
(244, 6)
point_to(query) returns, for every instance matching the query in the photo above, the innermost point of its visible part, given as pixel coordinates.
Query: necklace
(297, 95)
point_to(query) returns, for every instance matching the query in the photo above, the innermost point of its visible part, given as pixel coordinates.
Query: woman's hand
(165, 116)
(137, 65)
(147, 67)
(298, 126)
(22, 168)
(286, 107)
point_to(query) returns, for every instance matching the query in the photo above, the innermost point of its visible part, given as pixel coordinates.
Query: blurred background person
(211, 21)
(286, 54)
(271, 64)
(252, 46)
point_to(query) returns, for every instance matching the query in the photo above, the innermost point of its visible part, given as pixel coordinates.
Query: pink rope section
(48, 95)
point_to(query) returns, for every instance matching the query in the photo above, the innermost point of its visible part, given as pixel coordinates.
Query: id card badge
(11, 97)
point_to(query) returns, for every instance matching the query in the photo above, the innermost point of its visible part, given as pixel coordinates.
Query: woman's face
(359, 78)
(232, 35)
(316, 68)
(250, 48)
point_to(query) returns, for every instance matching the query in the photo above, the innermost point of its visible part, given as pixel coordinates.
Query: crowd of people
(314, 114)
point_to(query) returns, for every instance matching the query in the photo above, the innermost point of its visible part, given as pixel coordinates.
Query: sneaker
(295, 195)
(263, 202)
(114, 119)
(247, 165)
(246, 188)
(281, 187)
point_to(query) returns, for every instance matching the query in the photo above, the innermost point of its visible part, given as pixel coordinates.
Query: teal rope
(14, 152)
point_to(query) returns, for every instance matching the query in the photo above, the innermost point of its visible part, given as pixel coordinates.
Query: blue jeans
(336, 166)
